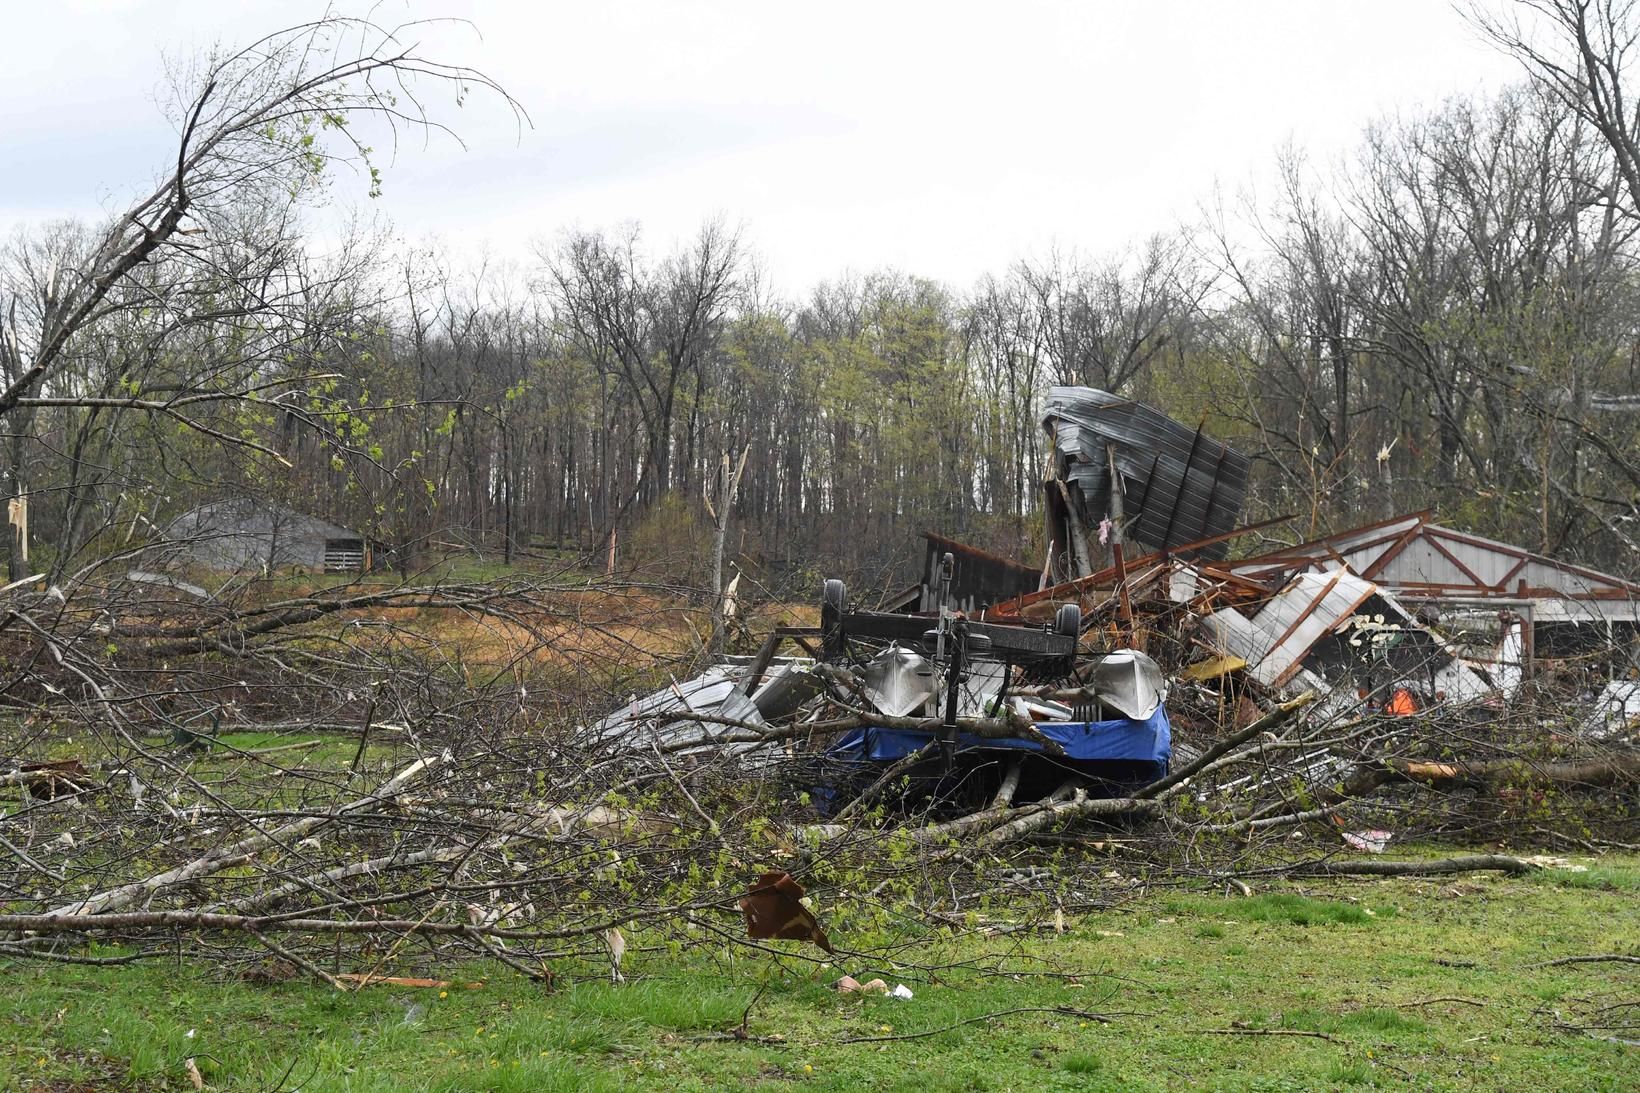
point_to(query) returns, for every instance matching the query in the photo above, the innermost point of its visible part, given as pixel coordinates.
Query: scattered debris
(850, 985)
(1175, 485)
(1372, 842)
(1615, 711)
(773, 908)
(165, 580)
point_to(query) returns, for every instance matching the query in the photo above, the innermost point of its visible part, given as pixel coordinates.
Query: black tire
(833, 603)
(1068, 621)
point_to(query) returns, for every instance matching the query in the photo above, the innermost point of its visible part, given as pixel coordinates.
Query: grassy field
(1427, 984)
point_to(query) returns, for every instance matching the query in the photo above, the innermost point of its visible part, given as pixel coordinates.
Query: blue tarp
(1124, 740)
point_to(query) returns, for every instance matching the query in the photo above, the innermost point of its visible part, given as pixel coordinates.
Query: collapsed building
(995, 676)
(1403, 605)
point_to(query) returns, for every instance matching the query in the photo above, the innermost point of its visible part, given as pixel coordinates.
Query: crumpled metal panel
(649, 719)
(1129, 682)
(787, 687)
(1179, 484)
(900, 682)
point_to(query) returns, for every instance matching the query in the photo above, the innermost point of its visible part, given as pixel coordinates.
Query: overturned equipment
(943, 682)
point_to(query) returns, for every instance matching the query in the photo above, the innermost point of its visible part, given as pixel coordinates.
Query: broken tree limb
(1489, 775)
(996, 826)
(1596, 958)
(1469, 863)
(1060, 812)
(1010, 785)
(1165, 787)
(1267, 1032)
(273, 897)
(1262, 822)
(296, 959)
(1064, 1011)
(55, 923)
(124, 921)
(239, 853)
(884, 780)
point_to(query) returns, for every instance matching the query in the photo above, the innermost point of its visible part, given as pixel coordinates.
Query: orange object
(1402, 704)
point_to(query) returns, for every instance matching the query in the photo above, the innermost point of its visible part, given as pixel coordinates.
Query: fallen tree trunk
(1047, 815)
(996, 826)
(1468, 863)
(54, 923)
(264, 901)
(899, 767)
(239, 853)
(1486, 775)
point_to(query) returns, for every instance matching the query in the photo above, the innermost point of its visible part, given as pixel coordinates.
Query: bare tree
(254, 124)
(650, 329)
(1584, 63)
(259, 129)
(1103, 324)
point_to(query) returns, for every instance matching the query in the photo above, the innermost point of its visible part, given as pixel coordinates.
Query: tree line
(1449, 318)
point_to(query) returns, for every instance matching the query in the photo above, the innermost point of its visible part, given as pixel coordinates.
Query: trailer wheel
(833, 602)
(1068, 621)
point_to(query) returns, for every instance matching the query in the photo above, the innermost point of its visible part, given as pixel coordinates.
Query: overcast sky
(942, 138)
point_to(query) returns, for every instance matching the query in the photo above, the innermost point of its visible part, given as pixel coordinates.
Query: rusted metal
(979, 576)
(1071, 589)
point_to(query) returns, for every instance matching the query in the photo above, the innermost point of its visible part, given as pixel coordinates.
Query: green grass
(1284, 907)
(1436, 988)
(1610, 878)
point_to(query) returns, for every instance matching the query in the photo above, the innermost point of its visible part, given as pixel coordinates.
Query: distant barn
(246, 535)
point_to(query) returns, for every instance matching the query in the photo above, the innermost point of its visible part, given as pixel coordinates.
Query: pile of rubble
(1402, 616)
(996, 681)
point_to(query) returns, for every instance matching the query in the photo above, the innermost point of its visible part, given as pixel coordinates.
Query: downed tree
(1175, 780)
(990, 830)
(1498, 778)
(228, 857)
(1469, 863)
(1491, 776)
(501, 827)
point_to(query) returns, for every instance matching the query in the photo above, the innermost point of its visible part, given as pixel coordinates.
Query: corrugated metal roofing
(1412, 556)
(1291, 623)
(1179, 485)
